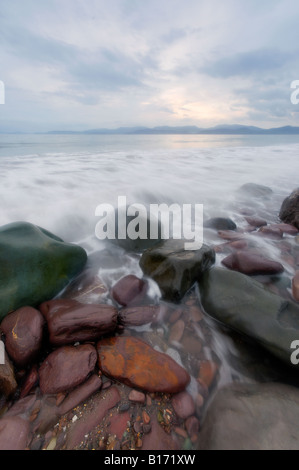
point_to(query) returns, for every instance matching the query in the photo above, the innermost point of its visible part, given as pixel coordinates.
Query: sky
(87, 64)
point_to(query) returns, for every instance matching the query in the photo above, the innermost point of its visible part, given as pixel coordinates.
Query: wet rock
(100, 405)
(119, 424)
(176, 332)
(274, 233)
(8, 383)
(207, 373)
(252, 417)
(70, 321)
(136, 396)
(230, 235)
(38, 265)
(135, 363)
(255, 190)
(66, 367)
(295, 286)
(251, 263)
(136, 316)
(130, 290)
(23, 331)
(175, 269)
(286, 228)
(245, 305)
(289, 211)
(183, 405)
(14, 433)
(220, 223)
(158, 439)
(81, 393)
(86, 288)
(30, 382)
(256, 221)
(192, 426)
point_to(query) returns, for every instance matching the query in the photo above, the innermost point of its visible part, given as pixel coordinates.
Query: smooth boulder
(70, 321)
(245, 305)
(35, 265)
(175, 269)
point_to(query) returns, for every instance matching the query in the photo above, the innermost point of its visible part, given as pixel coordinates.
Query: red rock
(256, 221)
(14, 433)
(23, 331)
(136, 316)
(251, 263)
(207, 372)
(66, 368)
(136, 396)
(70, 321)
(158, 439)
(176, 332)
(101, 404)
(81, 393)
(286, 228)
(119, 424)
(295, 286)
(183, 405)
(270, 232)
(135, 363)
(230, 235)
(192, 425)
(30, 381)
(129, 290)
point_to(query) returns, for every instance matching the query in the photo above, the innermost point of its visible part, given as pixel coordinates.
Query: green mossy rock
(35, 265)
(245, 305)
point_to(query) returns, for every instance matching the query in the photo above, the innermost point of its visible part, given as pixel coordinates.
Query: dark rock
(70, 321)
(220, 223)
(175, 269)
(35, 265)
(251, 263)
(130, 290)
(135, 363)
(66, 367)
(255, 190)
(245, 305)
(14, 433)
(23, 331)
(183, 405)
(8, 384)
(289, 211)
(136, 316)
(252, 417)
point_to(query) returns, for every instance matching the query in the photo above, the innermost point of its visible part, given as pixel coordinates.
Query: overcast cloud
(81, 64)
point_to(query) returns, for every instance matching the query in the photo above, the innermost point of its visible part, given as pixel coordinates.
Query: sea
(57, 182)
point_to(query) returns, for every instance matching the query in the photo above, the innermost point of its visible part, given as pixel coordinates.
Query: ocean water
(57, 181)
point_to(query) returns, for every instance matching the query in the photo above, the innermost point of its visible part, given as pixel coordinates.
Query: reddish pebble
(136, 396)
(295, 286)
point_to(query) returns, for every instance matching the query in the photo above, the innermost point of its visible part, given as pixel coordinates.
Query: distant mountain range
(222, 129)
